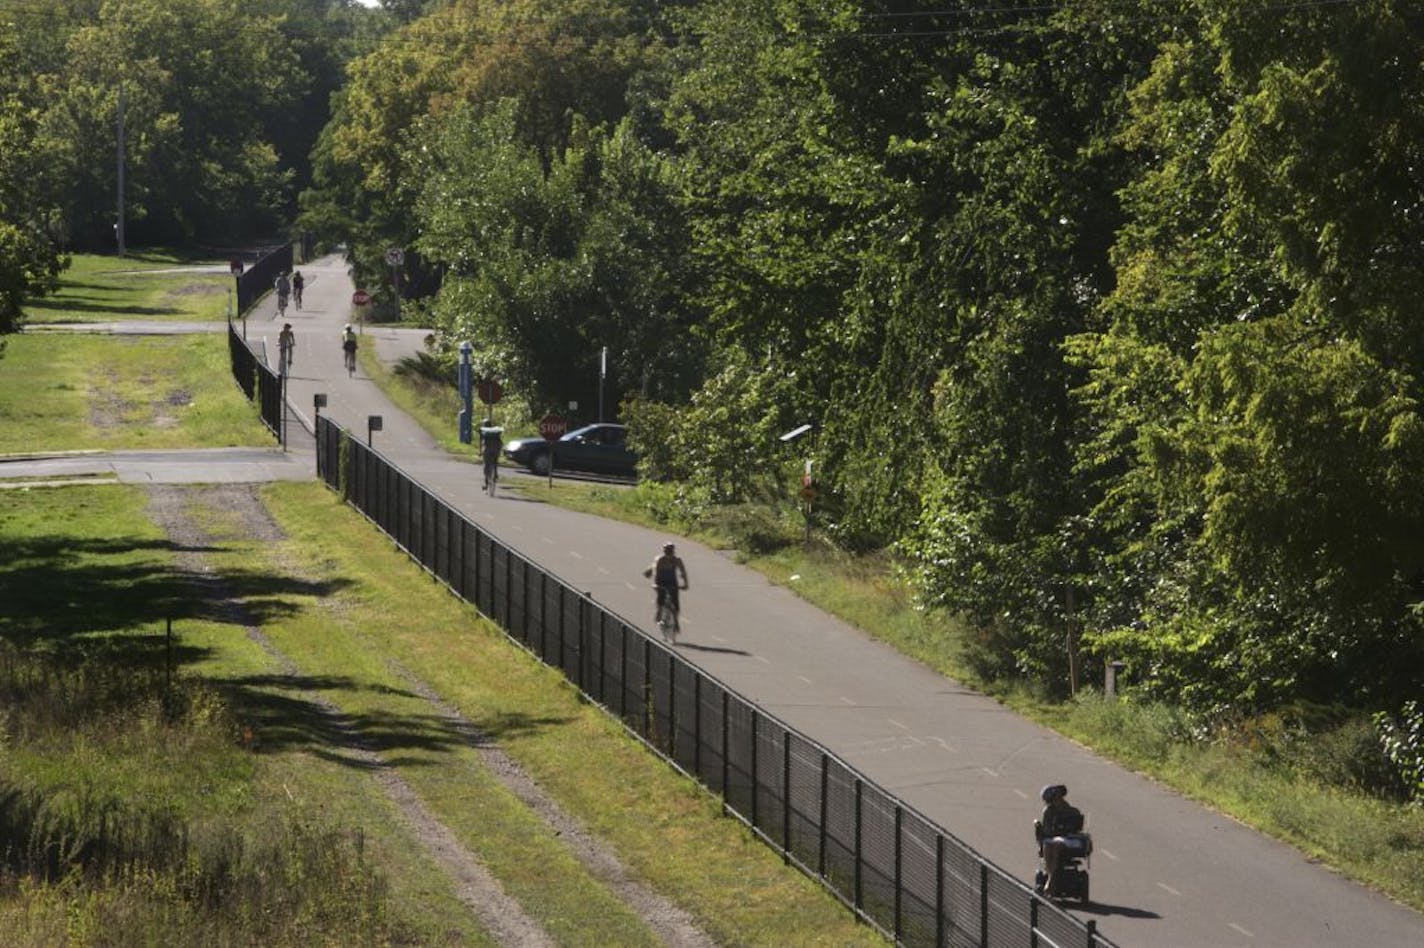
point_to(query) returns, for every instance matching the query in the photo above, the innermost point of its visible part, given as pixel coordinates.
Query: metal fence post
(1092, 927)
(726, 766)
(647, 688)
(983, 903)
(673, 717)
(939, 890)
(859, 844)
(825, 810)
(785, 795)
(756, 776)
(1033, 921)
(899, 866)
(697, 724)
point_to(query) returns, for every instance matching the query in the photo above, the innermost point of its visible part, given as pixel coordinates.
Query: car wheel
(540, 464)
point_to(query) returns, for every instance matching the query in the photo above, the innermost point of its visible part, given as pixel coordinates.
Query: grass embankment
(68, 391)
(249, 758)
(81, 392)
(140, 286)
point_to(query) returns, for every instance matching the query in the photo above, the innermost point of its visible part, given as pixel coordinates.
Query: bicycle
(297, 296)
(666, 614)
(281, 305)
(348, 349)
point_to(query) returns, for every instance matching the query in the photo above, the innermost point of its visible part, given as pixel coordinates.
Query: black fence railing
(258, 381)
(894, 867)
(258, 278)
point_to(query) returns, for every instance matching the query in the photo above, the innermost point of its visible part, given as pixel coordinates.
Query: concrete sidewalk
(1166, 871)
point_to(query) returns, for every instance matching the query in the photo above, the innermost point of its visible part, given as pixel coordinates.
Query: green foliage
(1102, 312)
(1401, 737)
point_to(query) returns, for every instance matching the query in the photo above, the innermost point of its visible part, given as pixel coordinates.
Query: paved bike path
(1166, 871)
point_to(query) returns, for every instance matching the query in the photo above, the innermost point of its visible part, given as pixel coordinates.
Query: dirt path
(172, 508)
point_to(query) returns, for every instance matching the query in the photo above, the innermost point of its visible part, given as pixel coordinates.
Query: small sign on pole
(360, 298)
(552, 427)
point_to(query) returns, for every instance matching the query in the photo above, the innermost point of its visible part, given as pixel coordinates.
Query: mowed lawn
(68, 391)
(155, 285)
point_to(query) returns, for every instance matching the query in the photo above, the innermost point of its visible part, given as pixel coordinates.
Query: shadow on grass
(73, 305)
(285, 715)
(62, 591)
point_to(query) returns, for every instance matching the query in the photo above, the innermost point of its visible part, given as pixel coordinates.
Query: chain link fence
(895, 868)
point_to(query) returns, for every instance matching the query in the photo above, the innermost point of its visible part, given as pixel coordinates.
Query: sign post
(552, 427)
(395, 257)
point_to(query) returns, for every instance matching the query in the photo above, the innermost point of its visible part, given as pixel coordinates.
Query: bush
(1401, 737)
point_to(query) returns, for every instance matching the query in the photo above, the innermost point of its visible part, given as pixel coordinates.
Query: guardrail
(897, 870)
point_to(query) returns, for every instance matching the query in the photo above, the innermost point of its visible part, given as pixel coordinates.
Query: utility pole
(119, 222)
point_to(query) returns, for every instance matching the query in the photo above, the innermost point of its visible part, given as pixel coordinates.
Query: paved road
(1166, 872)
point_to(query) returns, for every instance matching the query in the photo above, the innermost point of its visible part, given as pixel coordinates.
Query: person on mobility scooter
(1062, 847)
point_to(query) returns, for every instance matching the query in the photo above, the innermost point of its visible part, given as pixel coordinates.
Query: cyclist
(283, 286)
(490, 445)
(299, 283)
(286, 345)
(348, 346)
(665, 572)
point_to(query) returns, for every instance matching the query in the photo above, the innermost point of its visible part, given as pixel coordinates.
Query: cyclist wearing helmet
(665, 572)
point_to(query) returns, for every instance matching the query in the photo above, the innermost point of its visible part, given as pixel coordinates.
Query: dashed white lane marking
(992, 773)
(576, 554)
(1107, 853)
(1163, 885)
(547, 540)
(762, 659)
(903, 727)
(848, 701)
(629, 585)
(603, 570)
(803, 679)
(1248, 933)
(1024, 796)
(718, 638)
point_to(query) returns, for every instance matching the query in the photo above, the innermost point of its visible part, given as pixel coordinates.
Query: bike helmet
(667, 547)
(1053, 791)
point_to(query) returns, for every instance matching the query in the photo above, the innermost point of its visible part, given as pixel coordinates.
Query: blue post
(466, 395)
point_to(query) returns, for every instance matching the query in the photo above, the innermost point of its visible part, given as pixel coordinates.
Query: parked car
(596, 449)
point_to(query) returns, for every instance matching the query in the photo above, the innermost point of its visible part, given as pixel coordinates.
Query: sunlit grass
(140, 286)
(82, 392)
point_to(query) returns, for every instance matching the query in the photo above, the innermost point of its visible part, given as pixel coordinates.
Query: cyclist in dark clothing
(490, 444)
(665, 572)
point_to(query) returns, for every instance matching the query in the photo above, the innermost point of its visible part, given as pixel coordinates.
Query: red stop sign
(360, 298)
(489, 391)
(552, 427)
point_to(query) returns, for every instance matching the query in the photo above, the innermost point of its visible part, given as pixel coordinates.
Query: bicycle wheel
(491, 478)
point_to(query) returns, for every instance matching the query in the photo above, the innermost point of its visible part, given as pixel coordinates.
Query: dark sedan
(594, 449)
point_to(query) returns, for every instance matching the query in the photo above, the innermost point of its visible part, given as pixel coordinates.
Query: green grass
(91, 576)
(105, 288)
(69, 392)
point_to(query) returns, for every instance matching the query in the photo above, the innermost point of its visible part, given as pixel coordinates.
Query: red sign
(360, 298)
(489, 391)
(552, 427)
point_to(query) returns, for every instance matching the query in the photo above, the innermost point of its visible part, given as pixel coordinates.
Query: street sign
(553, 427)
(360, 298)
(394, 256)
(489, 391)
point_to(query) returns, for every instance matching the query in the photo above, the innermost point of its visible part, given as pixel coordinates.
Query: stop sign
(360, 298)
(489, 391)
(552, 427)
